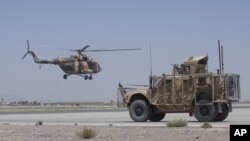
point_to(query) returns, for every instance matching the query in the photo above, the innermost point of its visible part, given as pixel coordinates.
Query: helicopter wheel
(90, 77)
(65, 76)
(86, 77)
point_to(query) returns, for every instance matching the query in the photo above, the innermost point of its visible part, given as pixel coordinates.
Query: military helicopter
(78, 64)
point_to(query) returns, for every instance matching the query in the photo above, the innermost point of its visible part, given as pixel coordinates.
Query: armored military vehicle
(189, 89)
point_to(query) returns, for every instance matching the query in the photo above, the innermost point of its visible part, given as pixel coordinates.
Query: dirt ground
(111, 133)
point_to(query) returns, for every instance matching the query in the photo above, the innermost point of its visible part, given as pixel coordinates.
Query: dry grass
(177, 123)
(39, 123)
(86, 133)
(206, 125)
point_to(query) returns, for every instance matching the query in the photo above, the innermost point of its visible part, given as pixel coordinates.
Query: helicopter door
(81, 67)
(76, 67)
(84, 67)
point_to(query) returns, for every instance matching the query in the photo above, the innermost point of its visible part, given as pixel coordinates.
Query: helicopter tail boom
(34, 57)
(49, 61)
(46, 61)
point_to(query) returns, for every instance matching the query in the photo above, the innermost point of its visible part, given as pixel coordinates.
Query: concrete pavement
(117, 118)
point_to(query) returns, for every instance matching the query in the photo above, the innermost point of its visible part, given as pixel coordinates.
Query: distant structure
(2, 101)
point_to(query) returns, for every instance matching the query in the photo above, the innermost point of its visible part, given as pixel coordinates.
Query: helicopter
(77, 64)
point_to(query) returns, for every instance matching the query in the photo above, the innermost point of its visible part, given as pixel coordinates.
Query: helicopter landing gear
(65, 76)
(86, 77)
(90, 77)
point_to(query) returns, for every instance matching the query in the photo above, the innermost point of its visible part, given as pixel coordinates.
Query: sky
(176, 30)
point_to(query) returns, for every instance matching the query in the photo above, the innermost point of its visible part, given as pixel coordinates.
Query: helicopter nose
(99, 68)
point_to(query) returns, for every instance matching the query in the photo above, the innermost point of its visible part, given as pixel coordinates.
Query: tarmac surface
(110, 125)
(240, 115)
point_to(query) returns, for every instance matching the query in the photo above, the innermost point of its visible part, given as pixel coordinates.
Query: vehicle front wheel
(156, 117)
(204, 111)
(222, 116)
(139, 110)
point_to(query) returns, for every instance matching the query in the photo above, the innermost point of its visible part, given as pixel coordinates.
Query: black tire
(205, 112)
(86, 77)
(139, 110)
(222, 116)
(90, 77)
(156, 117)
(65, 76)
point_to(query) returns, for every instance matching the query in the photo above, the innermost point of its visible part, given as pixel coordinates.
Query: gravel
(110, 133)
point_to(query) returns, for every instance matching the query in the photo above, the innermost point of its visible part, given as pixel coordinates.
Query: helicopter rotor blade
(77, 50)
(102, 50)
(84, 48)
(66, 49)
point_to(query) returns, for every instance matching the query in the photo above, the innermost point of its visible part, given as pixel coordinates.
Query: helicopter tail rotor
(28, 51)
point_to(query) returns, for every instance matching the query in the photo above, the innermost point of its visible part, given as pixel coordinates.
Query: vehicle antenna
(151, 68)
(222, 59)
(219, 47)
(207, 63)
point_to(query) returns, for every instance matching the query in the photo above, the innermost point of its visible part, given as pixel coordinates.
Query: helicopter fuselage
(79, 64)
(75, 64)
(82, 67)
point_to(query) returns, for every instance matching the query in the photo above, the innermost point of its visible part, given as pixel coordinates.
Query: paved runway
(119, 118)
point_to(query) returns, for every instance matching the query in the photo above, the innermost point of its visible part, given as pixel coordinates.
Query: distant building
(2, 101)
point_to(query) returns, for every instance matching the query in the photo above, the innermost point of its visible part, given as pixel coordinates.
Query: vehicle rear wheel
(225, 111)
(204, 111)
(139, 110)
(156, 117)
